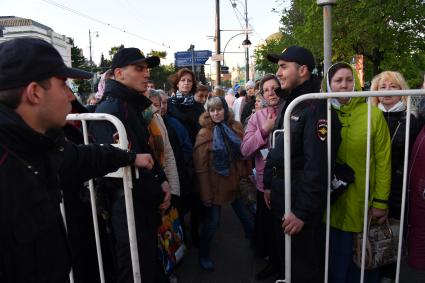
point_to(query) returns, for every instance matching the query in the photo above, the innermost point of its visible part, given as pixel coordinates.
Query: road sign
(217, 57)
(184, 58)
(224, 69)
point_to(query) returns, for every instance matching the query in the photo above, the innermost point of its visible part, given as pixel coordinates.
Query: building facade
(13, 27)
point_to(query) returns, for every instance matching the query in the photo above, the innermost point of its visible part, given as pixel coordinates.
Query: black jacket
(397, 126)
(308, 157)
(128, 106)
(247, 109)
(33, 169)
(188, 115)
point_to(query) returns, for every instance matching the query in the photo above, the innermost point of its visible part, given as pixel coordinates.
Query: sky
(165, 25)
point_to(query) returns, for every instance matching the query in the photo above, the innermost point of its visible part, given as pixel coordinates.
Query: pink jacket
(256, 139)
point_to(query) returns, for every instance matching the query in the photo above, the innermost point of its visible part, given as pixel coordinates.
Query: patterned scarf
(226, 148)
(181, 99)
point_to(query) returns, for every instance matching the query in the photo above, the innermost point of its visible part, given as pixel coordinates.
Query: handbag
(247, 191)
(381, 244)
(170, 240)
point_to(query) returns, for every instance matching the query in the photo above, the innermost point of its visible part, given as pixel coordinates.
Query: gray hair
(154, 93)
(214, 102)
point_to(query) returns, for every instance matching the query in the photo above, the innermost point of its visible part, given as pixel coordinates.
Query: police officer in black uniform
(309, 177)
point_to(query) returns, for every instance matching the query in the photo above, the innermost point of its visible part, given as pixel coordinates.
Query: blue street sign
(184, 58)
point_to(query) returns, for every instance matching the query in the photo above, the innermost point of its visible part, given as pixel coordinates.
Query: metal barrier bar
(94, 213)
(403, 197)
(128, 185)
(367, 188)
(62, 208)
(287, 163)
(328, 195)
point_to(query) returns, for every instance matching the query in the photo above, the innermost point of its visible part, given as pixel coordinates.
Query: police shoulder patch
(322, 129)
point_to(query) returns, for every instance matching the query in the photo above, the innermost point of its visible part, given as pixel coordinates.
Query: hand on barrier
(267, 198)
(144, 160)
(167, 196)
(292, 224)
(379, 214)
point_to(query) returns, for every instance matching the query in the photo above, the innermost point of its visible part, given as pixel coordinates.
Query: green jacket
(347, 211)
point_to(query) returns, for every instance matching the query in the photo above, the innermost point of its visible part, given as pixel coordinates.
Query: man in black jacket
(309, 176)
(123, 98)
(36, 161)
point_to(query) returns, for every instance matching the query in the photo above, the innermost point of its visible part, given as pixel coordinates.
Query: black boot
(268, 271)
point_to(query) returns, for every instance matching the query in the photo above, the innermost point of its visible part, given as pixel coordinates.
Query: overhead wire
(61, 6)
(236, 10)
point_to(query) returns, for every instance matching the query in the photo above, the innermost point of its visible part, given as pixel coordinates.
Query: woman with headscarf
(219, 167)
(256, 144)
(348, 209)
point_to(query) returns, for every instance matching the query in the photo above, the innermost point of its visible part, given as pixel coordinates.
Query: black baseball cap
(132, 56)
(297, 54)
(24, 60)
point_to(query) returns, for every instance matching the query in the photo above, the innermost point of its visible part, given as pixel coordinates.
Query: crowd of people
(196, 149)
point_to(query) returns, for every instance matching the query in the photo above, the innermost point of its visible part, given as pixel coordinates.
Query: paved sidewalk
(233, 258)
(235, 262)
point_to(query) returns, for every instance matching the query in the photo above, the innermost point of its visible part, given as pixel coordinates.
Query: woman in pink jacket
(256, 142)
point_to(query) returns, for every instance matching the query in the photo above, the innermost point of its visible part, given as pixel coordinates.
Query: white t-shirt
(237, 107)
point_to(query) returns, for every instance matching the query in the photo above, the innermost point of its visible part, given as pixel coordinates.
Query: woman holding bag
(219, 167)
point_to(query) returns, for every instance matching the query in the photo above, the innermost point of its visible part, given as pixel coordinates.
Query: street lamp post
(327, 32)
(224, 49)
(246, 43)
(91, 59)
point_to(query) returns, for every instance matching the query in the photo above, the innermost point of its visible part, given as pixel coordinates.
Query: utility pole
(91, 63)
(327, 32)
(217, 41)
(91, 59)
(192, 49)
(247, 48)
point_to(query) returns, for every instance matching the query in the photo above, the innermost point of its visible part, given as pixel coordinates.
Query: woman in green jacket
(348, 209)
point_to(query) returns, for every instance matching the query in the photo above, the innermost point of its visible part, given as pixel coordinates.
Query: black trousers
(307, 263)
(147, 242)
(264, 237)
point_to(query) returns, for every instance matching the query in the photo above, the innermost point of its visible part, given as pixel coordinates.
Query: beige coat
(213, 187)
(170, 167)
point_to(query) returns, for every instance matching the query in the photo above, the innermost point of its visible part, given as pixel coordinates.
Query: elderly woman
(394, 109)
(219, 167)
(348, 209)
(255, 145)
(160, 142)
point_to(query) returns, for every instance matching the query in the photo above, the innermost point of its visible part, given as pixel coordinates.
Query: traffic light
(224, 69)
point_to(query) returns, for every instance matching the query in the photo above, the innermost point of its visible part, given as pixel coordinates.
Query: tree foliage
(275, 45)
(160, 54)
(389, 33)
(160, 74)
(114, 50)
(79, 61)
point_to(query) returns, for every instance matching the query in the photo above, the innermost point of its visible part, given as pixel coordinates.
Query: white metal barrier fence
(287, 167)
(125, 174)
